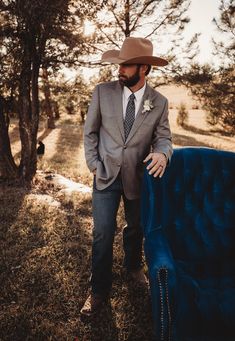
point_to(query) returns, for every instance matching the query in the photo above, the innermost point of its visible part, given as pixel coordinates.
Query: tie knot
(132, 97)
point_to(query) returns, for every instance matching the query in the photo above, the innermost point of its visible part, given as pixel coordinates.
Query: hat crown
(136, 47)
(134, 51)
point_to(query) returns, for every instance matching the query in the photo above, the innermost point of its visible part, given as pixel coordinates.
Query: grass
(45, 247)
(45, 260)
(45, 254)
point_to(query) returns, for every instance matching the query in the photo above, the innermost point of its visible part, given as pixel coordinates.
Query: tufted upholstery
(188, 218)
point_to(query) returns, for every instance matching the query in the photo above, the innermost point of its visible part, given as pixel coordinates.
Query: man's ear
(143, 68)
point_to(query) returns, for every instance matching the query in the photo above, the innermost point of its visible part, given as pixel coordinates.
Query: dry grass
(45, 244)
(199, 133)
(45, 259)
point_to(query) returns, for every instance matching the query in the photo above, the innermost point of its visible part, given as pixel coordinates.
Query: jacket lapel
(118, 107)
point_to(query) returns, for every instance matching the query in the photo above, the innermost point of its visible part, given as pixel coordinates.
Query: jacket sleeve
(162, 140)
(91, 131)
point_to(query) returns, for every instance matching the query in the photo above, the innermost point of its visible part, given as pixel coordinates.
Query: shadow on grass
(11, 201)
(184, 140)
(44, 270)
(196, 130)
(101, 327)
(69, 140)
(222, 132)
(209, 132)
(140, 302)
(65, 160)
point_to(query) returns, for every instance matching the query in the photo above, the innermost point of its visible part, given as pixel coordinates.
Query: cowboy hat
(134, 51)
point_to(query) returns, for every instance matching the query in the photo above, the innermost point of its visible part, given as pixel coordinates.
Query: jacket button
(124, 146)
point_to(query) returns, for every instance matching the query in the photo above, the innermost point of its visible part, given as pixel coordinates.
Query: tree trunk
(28, 111)
(8, 168)
(47, 94)
(35, 114)
(56, 110)
(127, 19)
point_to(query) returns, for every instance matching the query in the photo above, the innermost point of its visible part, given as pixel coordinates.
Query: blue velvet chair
(188, 218)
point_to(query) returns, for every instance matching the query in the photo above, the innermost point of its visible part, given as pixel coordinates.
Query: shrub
(182, 117)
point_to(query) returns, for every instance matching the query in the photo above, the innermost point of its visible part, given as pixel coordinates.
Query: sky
(201, 13)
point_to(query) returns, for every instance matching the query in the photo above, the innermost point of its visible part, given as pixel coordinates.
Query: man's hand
(158, 164)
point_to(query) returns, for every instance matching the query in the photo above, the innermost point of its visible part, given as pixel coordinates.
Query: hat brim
(112, 56)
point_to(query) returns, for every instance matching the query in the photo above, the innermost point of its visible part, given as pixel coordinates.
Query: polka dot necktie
(130, 115)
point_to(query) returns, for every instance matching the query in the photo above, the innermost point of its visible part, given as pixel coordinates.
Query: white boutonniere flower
(148, 105)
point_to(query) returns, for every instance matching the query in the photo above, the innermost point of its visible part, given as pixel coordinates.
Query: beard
(129, 81)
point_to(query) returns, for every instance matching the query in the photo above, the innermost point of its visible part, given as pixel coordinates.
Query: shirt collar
(138, 94)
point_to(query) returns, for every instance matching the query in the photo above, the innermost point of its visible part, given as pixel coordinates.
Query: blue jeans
(105, 205)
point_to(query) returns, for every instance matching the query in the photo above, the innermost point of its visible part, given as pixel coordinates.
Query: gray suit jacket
(105, 147)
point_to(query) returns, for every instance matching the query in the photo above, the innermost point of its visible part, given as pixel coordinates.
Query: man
(126, 126)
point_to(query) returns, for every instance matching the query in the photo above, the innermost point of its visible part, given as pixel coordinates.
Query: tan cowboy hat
(134, 51)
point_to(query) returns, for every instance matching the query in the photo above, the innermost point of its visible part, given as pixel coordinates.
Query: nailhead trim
(162, 277)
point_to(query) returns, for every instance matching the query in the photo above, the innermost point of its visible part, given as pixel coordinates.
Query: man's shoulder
(155, 94)
(108, 85)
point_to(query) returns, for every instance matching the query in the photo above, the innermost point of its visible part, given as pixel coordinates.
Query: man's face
(129, 74)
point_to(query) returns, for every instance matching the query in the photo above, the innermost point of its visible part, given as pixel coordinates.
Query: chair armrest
(157, 251)
(163, 283)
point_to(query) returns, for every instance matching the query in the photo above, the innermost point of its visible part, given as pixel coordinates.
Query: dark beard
(132, 81)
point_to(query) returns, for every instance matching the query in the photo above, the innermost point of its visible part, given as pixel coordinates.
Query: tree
(214, 86)
(47, 99)
(32, 33)
(8, 167)
(225, 50)
(121, 19)
(71, 95)
(163, 21)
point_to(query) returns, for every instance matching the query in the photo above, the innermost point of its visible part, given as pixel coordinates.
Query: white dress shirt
(138, 98)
